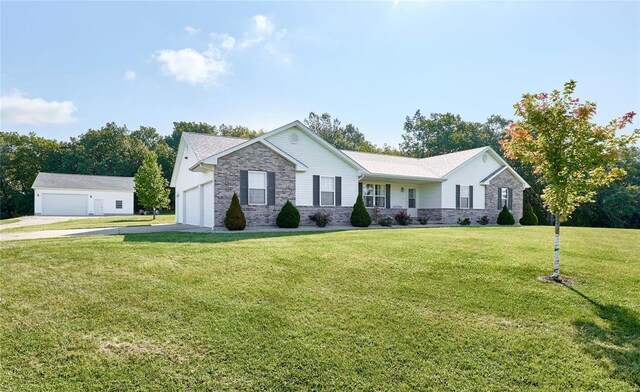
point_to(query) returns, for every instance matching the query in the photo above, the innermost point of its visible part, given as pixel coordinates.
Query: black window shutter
(360, 188)
(338, 191)
(470, 196)
(316, 191)
(388, 194)
(510, 198)
(244, 187)
(457, 196)
(271, 188)
(499, 198)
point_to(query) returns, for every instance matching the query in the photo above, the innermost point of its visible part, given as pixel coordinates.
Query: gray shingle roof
(205, 146)
(434, 167)
(81, 181)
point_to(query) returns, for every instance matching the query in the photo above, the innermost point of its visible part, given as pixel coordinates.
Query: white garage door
(192, 207)
(64, 204)
(207, 191)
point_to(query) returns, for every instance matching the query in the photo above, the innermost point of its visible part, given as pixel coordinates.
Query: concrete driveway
(33, 235)
(39, 220)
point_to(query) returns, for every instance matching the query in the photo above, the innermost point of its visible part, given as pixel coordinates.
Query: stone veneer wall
(503, 180)
(260, 158)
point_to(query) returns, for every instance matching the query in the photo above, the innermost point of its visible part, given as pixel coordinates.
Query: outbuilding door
(64, 204)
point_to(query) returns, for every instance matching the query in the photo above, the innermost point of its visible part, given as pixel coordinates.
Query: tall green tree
(443, 133)
(150, 186)
(574, 156)
(346, 137)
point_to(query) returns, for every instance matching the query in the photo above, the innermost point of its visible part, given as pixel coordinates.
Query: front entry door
(98, 207)
(413, 202)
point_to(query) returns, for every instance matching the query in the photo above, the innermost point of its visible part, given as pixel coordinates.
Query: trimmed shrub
(483, 220)
(234, 219)
(464, 222)
(402, 218)
(289, 217)
(321, 218)
(505, 217)
(360, 216)
(423, 219)
(528, 217)
(385, 221)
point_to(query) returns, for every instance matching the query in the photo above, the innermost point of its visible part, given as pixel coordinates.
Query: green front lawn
(89, 223)
(442, 309)
(9, 220)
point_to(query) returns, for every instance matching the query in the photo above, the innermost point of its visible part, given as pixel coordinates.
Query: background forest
(115, 150)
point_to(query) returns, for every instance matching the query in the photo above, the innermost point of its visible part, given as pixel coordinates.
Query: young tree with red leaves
(573, 156)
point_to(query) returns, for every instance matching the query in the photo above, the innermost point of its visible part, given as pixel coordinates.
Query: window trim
(468, 197)
(121, 204)
(249, 188)
(383, 194)
(504, 201)
(333, 204)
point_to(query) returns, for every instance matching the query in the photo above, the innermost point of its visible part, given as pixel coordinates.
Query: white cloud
(191, 30)
(18, 109)
(261, 29)
(194, 67)
(191, 66)
(226, 41)
(130, 75)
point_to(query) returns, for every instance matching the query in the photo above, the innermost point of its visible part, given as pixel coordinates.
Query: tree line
(116, 150)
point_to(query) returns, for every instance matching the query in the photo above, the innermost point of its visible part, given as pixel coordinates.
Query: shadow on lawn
(618, 340)
(180, 237)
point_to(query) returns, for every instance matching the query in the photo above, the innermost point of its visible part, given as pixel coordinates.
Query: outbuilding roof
(81, 181)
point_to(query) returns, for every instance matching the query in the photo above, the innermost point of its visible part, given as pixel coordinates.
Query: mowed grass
(9, 221)
(414, 309)
(89, 223)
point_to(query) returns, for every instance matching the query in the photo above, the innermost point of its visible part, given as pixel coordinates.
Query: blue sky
(70, 66)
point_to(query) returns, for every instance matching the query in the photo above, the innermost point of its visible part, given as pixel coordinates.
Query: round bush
(234, 219)
(529, 218)
(505, 217)
(360, 216)
(289, 217)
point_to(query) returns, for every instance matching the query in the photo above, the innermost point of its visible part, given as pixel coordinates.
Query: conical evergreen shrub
(234, 219)
(529, 218)
(360, 216)
(505, 217)
(289, 217)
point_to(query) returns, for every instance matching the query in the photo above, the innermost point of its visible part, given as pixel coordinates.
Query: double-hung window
(119, 204)
(504, 197)
(464, 197)
(327, 191)
(257, 188)
(374, 195)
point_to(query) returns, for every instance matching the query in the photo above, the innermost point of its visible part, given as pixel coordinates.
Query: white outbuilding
(77, 195)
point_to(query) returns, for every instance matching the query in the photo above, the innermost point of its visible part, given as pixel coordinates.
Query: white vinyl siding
(81, 201)
(327, 191)
(257, 188)
(187, 179)
(471, 173)
(320, 161)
